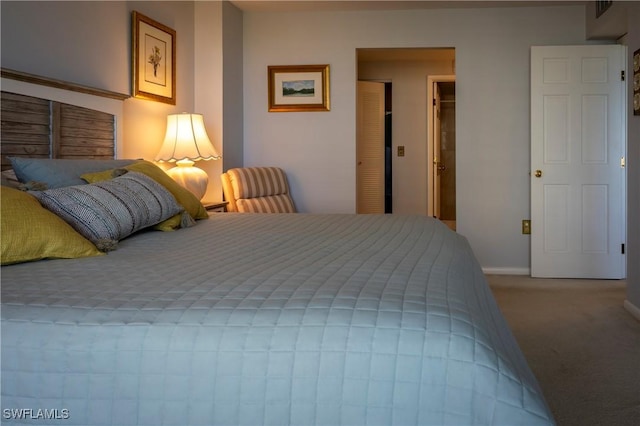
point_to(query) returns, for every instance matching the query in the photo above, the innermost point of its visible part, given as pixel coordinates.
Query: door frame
(431, 80)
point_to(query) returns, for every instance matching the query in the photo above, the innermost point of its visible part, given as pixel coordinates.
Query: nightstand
(218, 206)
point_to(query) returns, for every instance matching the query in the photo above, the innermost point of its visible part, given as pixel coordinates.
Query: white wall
(43, 38)
(208, 77)
(218, 85)
(232, 86)
(492, 101)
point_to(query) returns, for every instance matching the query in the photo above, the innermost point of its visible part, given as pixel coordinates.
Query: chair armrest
(227, 190)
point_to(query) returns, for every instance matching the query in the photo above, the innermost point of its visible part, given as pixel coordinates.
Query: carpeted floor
(581, 344)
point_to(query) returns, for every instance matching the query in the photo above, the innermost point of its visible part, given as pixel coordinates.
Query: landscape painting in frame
(298, 88)
(154, 60)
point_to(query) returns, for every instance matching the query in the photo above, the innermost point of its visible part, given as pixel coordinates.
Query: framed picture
(636, 82)
(298, 88)
(154, 60)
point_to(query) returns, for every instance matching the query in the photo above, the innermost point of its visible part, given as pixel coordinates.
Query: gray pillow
(58, 173)
(108, 211)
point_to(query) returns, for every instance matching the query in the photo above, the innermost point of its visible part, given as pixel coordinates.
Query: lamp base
(192, 178)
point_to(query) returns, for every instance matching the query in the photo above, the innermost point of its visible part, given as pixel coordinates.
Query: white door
(437, 160)
(577, 142)
(370, 147)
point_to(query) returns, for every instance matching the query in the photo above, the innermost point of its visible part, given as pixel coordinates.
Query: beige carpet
(581, 344)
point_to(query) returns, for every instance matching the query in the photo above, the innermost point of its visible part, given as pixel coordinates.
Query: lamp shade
(186, 139)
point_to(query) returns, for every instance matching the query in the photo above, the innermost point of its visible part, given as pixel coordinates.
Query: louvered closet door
(370, 148)
(577, 142)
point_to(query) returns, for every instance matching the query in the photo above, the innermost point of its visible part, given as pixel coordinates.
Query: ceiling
(346, 5)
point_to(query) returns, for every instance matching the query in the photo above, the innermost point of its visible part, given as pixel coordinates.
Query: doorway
(408, 190)
(388, 148)
(441, 122)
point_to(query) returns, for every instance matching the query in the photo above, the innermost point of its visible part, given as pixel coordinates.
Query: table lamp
(185, 142)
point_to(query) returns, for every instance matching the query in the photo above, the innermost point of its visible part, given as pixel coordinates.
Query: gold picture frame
(153, 60)
(298, 88)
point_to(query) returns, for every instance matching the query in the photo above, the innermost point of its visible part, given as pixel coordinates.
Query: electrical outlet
(401, 151)
(526, 226)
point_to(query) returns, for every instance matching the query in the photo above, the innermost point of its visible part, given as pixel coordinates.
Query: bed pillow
(31, 232)
(106, 212)
(58, 173)
(184, 197)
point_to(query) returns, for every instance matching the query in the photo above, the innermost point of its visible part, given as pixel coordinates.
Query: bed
(251, 319)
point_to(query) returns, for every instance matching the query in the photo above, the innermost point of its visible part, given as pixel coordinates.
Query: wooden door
(370, 147)
(577, 143)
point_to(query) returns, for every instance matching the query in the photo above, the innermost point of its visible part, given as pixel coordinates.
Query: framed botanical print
(154, 60)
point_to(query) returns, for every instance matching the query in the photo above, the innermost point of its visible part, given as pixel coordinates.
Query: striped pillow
(108, 211)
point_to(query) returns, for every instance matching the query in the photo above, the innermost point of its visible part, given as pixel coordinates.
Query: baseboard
(506, 271)
(633, 309)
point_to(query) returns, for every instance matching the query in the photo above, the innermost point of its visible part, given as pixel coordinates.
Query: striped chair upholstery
(257, 190)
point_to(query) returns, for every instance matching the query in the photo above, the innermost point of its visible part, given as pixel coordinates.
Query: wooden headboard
(34, 127)
(37, 122)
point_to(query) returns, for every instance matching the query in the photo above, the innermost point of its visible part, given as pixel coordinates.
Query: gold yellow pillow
(31, 232)
(185, 198)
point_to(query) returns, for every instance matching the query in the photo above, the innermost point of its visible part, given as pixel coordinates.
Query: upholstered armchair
(257, 190)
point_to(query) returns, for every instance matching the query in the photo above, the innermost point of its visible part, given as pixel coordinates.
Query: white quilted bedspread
(265, 319)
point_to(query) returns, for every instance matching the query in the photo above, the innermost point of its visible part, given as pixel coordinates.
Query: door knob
(538, 173)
